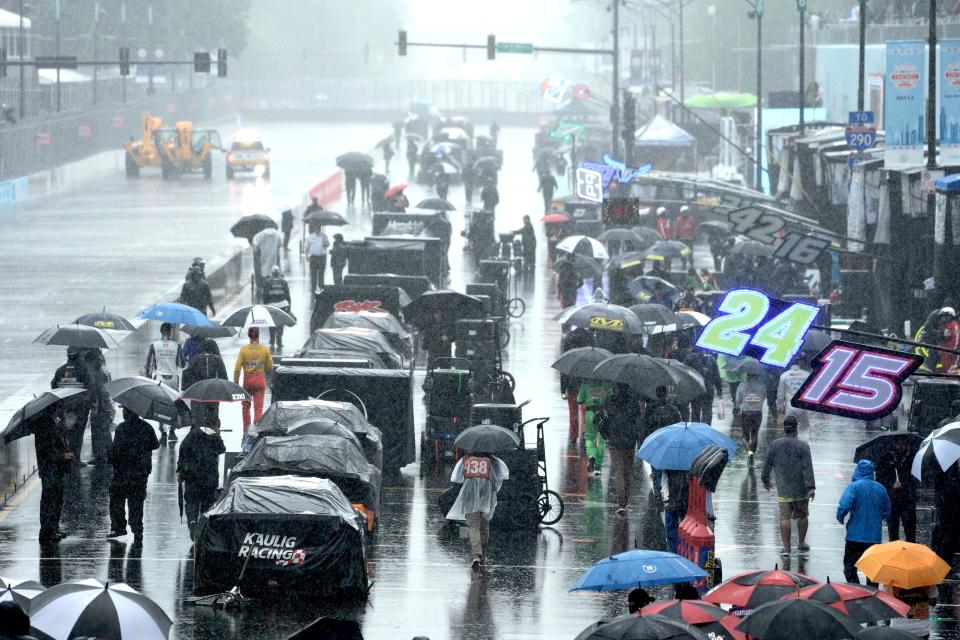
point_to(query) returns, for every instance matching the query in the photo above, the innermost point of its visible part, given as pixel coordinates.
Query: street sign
(589, 185)
(56, 62)
(861, 132)
(514, 47)
(566, 130)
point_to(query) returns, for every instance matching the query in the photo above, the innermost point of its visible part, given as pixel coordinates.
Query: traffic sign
(861, 132)
(589, 185)
(567, 130)
(514, 47)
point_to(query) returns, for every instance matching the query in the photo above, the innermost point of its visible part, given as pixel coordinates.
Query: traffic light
(491, 47)
(221, 63)
(201, 62)
(402, 42)
(124, 61)
(3, 62)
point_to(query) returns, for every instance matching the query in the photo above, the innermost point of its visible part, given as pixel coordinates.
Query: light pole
(57, 8)
(802, 10)
(96, 48)
(863, 50)
(712, 12)
(20, 47)
(680, 18)
(615, 107)
(932, 95)
(757, 13)
(123, 40)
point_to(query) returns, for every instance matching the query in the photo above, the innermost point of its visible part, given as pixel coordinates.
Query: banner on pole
(949, 113)
(903, 110)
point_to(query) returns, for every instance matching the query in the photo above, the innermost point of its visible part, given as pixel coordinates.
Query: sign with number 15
(751, 323)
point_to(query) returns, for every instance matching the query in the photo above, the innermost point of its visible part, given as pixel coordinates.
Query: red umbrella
(751, 589)
(394, 190)
(555, 217)
(709, 618)
(862, 603)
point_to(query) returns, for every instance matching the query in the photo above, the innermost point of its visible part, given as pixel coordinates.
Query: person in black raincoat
(102, 412)
(54, 458)
(365, 177)
(945, 536)
(441, 184)
(276, 292)
(286, 226)
(350, 177)
(206, 366)
(197, 468)
(441, 228)
(568, 281)
(529, 236)
(469, 176)
(547, 185)
(338, 258)
(133, 445)
(701, 409)
(894, 472)
(621, 427)
(196, 293)
(74, 374)
(413, 152)
(489, 196)
(387, 156)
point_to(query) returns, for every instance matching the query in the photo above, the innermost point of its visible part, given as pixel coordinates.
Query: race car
(247, 154)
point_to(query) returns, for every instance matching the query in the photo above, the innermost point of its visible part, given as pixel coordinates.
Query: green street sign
(514, 47)
(567, 130)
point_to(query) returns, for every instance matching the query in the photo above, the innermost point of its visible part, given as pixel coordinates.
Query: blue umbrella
(176, 313)
(638, 568)
(674, 448)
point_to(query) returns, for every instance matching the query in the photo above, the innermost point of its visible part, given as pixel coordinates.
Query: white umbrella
(19, 591)
(945, 443)
(583, 246)
(259, 315)
(111, 611)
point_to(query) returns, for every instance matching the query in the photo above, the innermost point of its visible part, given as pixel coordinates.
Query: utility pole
(680, 3)
(615, 107)
(802, 10)
(96, 48)
(123, 42)
(21, 41)
(758, 178)
(57, 7)
(932, 96)
(863, 52)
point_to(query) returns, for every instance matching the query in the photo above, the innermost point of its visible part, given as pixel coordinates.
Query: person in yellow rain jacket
(255, 362)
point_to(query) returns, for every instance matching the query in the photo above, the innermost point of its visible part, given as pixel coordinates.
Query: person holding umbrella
(622, 430)
(276, 292)
(789, 457)
(74, 374)
(164, 363)
(207, 365)
(657, 414)
(255, 361)
(315, 249)
(893, 472)
(197, 466)
(54, 459)
(133, 444)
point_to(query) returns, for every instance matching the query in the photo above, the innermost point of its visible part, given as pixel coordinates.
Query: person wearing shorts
(790, 463)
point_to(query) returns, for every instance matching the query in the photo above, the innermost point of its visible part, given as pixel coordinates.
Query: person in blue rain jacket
(868, 505)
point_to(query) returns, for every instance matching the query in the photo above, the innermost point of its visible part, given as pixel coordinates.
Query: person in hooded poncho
(480, 476)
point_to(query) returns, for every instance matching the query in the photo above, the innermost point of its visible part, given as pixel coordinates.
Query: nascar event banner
(903, 104)
(949, 107)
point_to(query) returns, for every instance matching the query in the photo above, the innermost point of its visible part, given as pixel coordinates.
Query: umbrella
(19, 425)
(602, 316)
(452, 304)
(330, 629)
(325, 218)
(717, 228)
(653, 313)
(796, 618)
(753, 588)
(551, 218)
(943, 444)
(751, 249)
(215, 390)
(815, 341)
(436, 204)
(487, 438)
(90, 608)
(631, 627)
(885, 633)
(149, 399)
(19, 591)
(692, 319)
(643, 288)
(215, 330)
(749, 366)
(583, 246)
(394, 190)
(77, 335)
(622, 235)
(586, 267)
(639, 371)
(674, 448)
(354, 161)
(104, 320)
(648, 234)
(259, 315)
(902, 564)
(443, 148)
(580, 362)
(709, 618)
(487, 162)
(638, 568)
(175, 313)
(249, 226)
(628, 260)
(667, 249)
(861, 603)
(688, 383)
(877, 448)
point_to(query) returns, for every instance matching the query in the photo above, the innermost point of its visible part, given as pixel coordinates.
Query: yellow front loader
(187, 151)
(143, 153)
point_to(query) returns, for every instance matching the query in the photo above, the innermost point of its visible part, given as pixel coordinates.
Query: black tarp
(367, 436)
(336, 358)
(381, 321)
(412, 286)
(386, 396)
(292, 533)
(355, 339)
(356, 296)
(394, 224)
(326, 456)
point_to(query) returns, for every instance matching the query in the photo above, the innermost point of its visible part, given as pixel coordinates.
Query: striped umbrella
(101, 610)
(19, 591)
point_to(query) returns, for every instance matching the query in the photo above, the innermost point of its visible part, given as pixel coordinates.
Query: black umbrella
(452, 304)
(648, 234)
(644, 287)
(249, 226)
(628, 260)
(602, 316)
(667, 249)
(580, 362)
(325, 218)
(149, 399)
(885, 633)
(19, 425)
(815, 341)
(688, 384)
(751, 249)
(487, 163)
(749, 366)
(215, 330)
(620, 234)
(638, 371)
(654, 314)
(354, 161)
(797, 619)
(648, 627)
(215, 390)
(877, 448)
(329, 629)
(487, 438)
(586, 267)
(77, 335)
(436, 204)
(104, 320)
(716, 228)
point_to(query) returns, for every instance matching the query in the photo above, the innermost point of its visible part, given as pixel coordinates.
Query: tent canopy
(660, 132)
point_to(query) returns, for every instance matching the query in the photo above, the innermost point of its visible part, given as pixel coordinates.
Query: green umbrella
(722, 100)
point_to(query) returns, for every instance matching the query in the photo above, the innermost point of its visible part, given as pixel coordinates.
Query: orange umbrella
(903, 564)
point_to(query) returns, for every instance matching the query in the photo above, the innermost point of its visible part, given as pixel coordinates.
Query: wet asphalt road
(422, 584)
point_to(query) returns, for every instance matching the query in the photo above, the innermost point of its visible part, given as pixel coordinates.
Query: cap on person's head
(949, 311)
(253, 333)
(275, 270)
(166, 328)
(13, 619)
(661, 392)
(661, 211)
(790, 424)
(684, 209)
